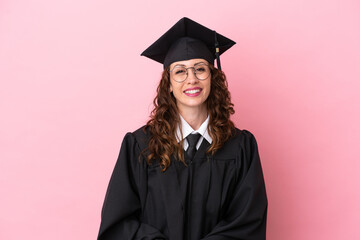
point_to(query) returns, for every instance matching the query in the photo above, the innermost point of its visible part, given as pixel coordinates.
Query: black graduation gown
(214, 197)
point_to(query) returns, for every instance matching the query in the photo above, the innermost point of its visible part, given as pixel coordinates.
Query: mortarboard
(186, 40)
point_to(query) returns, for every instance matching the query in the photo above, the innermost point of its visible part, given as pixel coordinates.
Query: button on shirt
(187, 129)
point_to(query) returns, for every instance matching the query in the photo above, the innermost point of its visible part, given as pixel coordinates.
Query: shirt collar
(187, 129)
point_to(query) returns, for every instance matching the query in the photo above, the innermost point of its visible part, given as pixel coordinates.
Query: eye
(200, 69)
(180, 71)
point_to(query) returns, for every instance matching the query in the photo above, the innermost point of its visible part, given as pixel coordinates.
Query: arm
(245, 216)
(122, 207)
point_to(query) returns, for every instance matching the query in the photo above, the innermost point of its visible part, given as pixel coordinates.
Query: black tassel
(217, 52)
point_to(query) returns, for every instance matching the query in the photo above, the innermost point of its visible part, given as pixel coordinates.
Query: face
(193, 92)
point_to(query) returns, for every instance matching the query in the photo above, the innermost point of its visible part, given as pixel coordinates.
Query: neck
(194, 116)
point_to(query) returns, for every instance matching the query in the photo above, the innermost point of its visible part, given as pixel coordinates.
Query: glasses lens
(202, 71)
(179, 73)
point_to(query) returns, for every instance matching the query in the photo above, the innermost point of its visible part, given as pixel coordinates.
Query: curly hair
(164, 119)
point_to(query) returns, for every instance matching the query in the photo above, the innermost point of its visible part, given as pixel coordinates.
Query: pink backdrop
(73, 83)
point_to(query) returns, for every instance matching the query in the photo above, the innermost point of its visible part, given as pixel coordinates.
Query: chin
(195, 105)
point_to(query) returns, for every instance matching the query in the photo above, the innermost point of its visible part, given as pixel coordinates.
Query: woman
(189, 173)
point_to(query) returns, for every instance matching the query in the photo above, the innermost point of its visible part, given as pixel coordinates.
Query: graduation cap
(187, 40)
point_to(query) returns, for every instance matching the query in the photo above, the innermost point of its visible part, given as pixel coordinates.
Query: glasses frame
(194, 71)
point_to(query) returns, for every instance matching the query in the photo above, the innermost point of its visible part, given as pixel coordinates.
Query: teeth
(193, 91)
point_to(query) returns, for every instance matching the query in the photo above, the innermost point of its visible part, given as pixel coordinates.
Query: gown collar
(187, 129)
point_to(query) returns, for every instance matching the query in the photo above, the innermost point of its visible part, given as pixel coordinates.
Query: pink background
(73, 83)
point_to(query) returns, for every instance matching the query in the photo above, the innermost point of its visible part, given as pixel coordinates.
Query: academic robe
(219, 197)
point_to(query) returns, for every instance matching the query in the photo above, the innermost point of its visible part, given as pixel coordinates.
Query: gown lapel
(173, 185)
(173, 200)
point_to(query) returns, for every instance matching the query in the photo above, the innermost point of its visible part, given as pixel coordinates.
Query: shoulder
(133, 147)
(241, 141)
(140, 137)
(244, 133)
(246, 139)
(244, 136)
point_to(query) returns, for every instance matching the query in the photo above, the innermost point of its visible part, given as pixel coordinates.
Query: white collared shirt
(187, 129)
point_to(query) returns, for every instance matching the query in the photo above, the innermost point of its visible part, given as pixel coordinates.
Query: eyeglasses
(180, 73)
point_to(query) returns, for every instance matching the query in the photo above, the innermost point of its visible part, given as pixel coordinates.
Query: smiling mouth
(192, 91)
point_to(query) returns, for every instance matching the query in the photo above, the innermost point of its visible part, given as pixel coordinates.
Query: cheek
(175, 88)
(208, 88)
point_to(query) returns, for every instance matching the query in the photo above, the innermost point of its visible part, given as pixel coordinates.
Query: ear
(171, 88)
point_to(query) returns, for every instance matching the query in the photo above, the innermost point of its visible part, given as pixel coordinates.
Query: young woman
(189, 173)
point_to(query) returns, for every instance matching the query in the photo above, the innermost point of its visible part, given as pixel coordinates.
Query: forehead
(188, 63)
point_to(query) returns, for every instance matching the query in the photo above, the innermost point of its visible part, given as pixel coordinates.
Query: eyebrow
(183, 65)
(180, 65)
(199, 63)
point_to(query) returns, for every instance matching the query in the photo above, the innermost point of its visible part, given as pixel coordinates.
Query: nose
(191, 77)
